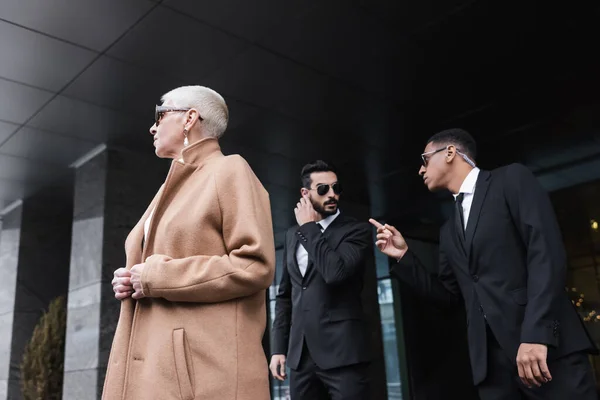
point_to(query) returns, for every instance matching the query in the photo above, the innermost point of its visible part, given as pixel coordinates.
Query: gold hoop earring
(185, 140)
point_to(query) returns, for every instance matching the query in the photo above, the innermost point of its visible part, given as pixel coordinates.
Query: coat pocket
(520, 296)
(344, 314)
(183, 364)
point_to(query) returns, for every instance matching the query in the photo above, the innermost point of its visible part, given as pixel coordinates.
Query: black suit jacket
(509, 268)
(324, 307)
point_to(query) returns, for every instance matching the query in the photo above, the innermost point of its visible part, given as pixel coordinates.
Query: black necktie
(460, 221)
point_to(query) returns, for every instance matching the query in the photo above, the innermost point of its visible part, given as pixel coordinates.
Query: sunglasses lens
(322, 190)
(337, 188)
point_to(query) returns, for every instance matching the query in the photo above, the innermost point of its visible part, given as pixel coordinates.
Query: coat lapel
(483, 182)
(309, 271)
(137, 236)
(175, 178)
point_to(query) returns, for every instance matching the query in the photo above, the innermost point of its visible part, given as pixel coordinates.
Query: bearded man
(319, 330)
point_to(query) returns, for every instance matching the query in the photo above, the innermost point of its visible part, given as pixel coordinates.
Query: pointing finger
(375, 223)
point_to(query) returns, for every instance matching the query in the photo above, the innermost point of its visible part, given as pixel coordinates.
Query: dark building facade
(361, 84)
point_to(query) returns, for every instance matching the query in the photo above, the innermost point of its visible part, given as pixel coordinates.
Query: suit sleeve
(249, 264)
(283, 311)
(534, 218)
(342, 263)
(441, 287)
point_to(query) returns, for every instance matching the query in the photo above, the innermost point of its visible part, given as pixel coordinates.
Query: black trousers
(309, 382)
(572, 378)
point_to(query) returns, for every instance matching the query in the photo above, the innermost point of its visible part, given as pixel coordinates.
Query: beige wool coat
(209, 257)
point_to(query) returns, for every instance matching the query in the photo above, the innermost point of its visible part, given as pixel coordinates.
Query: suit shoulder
(354, 224)
(517, 177)
(512, 170)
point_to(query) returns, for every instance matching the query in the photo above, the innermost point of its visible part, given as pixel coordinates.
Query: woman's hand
(136, 281)
(122, 284)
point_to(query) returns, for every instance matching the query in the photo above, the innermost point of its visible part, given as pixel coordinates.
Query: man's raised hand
(389, 241)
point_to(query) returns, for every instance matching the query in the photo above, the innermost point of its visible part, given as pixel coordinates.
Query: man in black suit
(319, 328)
(502, 253)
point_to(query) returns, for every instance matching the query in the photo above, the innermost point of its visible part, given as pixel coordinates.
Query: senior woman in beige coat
(198, 263)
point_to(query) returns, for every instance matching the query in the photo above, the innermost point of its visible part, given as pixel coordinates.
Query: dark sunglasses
(323, 189)
(160, 112)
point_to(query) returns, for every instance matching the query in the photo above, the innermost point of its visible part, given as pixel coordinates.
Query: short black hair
(314, 166)
(460, 138)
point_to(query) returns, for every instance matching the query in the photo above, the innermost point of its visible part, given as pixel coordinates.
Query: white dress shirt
(301, 253)
(468, 188)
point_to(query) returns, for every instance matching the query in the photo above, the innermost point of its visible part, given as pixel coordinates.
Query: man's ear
(450, 153)
(304, 192)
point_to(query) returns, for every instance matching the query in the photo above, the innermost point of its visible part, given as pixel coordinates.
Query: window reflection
(280, 390)
(390, 346)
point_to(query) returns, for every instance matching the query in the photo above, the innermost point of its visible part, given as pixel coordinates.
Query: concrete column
(36, 241)
(10, 237)
(112, 190)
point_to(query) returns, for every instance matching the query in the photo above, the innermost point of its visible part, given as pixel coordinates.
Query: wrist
(535, 344)
(302, 223)
(401, 255)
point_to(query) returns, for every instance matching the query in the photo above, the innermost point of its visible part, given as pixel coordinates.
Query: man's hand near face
(305, 212)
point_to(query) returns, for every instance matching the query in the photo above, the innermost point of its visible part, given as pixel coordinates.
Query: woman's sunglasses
(323, 189)
(160, 112)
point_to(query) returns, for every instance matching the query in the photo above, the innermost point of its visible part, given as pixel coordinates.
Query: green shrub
(43, 359)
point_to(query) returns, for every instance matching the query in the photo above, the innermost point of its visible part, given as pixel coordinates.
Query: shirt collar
(327, 221)
(468, 185)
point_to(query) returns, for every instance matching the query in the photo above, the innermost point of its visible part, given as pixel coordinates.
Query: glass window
(280, 390)
(388, 329)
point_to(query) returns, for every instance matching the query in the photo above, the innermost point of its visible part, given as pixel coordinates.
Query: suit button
(475, 278)
(303, 287)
